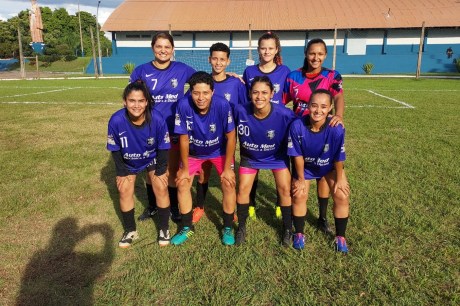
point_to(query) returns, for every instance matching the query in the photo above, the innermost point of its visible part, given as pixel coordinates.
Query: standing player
(318, 151)
(207, 134)
(234, 91)
(262, 132)
(138, 139)
(299, 86)
(270, 65)
(166, 80)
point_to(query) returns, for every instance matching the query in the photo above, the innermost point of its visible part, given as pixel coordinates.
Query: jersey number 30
(243, 130)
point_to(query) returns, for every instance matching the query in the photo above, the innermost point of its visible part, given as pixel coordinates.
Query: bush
(49, 58)
(69, 58)
(457, 64)
(367, 68)
(129, 67)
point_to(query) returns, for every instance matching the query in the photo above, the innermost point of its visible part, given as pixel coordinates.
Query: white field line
(376, 106)
(407, 90)
(58, 87)
(391, 99)
(36, 93)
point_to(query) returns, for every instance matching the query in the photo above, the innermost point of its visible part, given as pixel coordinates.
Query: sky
(11, 8)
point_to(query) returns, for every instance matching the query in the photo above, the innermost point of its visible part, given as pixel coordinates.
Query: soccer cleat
(278, 212)
(198, 212)
(148, 213)
(185, 233)
(287, 238)
(127, 239)
(323, 226)
(341, 244)
(299, 241)
(227, 236)
(164, 237)
(252, 212)
(240, 235)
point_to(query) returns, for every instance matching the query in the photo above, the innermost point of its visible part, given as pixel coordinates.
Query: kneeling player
(138, 139)
(207, 134)
(318, 150)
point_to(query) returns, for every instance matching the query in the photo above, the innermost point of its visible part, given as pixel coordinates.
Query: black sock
(252, 194)
(163, 218)
(286, 213)
(172, 191)
(299, 224)
(228, 219)
(322, 204)
(278, 198)
(242, 212)
(129, 224)
(151, 197)
(201, 190)
(340, 226)
(187, 219)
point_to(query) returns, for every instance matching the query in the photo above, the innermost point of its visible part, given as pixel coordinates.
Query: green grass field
(60, 224)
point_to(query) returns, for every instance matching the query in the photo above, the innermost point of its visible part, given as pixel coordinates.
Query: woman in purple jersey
(299, 86)
(270, 65)
(262, 129)
(166, 80)
(318, 150)
(138, 139)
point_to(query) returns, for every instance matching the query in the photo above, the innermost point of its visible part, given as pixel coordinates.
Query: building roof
(236, 15)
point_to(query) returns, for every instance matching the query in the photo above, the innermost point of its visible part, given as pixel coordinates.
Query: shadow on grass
(60, 275)
(108, 176)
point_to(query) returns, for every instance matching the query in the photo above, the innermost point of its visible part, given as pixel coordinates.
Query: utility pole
(81, 35)
(420, 51)
(98, 41)
(21, 56)
(94, 52)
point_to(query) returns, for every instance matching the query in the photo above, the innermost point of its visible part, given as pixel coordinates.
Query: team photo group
(289, 122)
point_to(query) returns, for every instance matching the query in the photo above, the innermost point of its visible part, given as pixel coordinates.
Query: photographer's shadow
(60, 275)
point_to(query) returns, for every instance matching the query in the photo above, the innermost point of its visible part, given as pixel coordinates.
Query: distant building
(386, 33)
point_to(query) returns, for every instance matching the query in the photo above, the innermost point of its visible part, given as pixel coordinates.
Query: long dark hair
(139, 85)
(310, 43)
(262, 79)
(270, 35)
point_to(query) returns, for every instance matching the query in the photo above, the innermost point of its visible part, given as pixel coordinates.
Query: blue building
(384, 33)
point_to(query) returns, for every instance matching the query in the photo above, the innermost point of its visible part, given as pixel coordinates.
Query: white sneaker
(164, 238)
(127, 239)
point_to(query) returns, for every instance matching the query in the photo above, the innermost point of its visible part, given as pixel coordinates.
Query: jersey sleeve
(242, 94)
(229, 124)
(294, 147)
(336, 85)
(180, 122)
(136, 74)
(112, 139)
(287, 97)
(164, 142)
(339, 139)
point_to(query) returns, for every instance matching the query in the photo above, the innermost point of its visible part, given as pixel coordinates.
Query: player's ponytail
(270, 35)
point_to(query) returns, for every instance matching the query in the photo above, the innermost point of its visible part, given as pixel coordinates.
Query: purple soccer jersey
(166, 86)
(263, 142)
(206, 132)
(232, 89)
(319, 149)
(277, 77)
(138, 144)
(299, 88)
